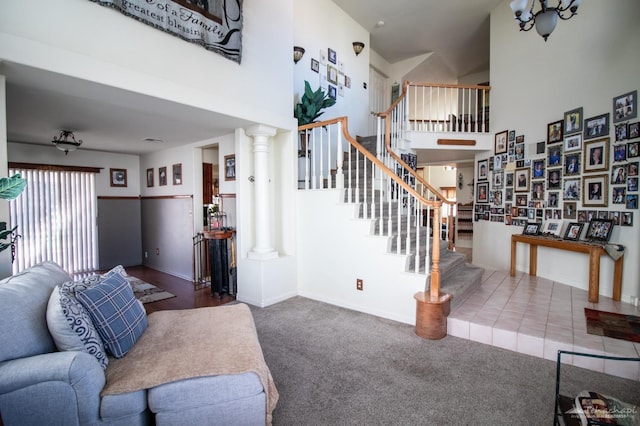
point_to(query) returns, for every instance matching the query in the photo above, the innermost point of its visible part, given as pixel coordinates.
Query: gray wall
(119, 232)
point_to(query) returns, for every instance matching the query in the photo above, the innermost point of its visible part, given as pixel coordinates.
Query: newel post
(432, 307)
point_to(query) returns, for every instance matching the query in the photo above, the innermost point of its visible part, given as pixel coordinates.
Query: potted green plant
(311, 107)
(10, 188)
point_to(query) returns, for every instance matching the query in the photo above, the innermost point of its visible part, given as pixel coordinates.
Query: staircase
(457, 277)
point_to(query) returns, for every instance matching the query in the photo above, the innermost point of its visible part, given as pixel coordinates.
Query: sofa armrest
(69, 383)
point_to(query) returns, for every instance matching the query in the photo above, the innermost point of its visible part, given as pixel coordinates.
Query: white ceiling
(41, 103)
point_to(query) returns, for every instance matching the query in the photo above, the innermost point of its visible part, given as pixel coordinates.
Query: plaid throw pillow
(116, 314)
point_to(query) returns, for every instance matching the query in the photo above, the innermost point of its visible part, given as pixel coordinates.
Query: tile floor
(537, 316)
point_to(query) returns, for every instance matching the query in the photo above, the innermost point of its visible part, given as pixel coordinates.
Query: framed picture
(573, 231)
(177, 174)
(162, 176)
(632, 169)
(538, 169)
(553, 199)
(522, 179)
(627, 219)
(230, 167)
(331, 55)
(632, 201)
(521, 200)
(632, 184)
(509, 179)
(596, 155)
(537, 193)
(633, 149)
(572, 164)
(315, 65)
(512, 135)
(332, 74)
(552, 227)
(333, 92)
(573, 143)
(531, 228)
(347, 81)
(500, 146)
(118, 177)
(520, 139)
(597, 126)
(619, 175)
(573, 121)
(634, 130)
(554, 178)
(618, 195)
(150, 179)
(482, 192)
(554, 132)
(625, 107)
(599, 230)
(483, 170)
(554, 156)
(621, 132)
(594, 191)
(620, 153)
(571, 189)
(519, 151)
(498, 179)
(569, 209)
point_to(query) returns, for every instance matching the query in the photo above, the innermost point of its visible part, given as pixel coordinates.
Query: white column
(262, 201)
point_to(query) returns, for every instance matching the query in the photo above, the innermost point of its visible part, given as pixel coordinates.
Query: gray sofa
(41, 385)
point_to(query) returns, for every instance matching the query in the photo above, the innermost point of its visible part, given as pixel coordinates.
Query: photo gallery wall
(584, 166)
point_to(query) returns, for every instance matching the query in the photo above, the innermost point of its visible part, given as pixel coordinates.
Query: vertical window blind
(56, 218)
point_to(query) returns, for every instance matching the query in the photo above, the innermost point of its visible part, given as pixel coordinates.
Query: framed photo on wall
(594, 191)
(230, 167)
(596, 155)
(118, 177)
(554, 132)
(483, 170)
(573, 121)
(501, 142)
(573, 143)
(150, 180)
(597, 126)
(482, 192)
(177, 174)
(522, 177)
(625, 107)
(162, 176)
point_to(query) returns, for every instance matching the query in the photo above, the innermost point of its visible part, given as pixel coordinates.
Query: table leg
(533, 259)
(594, 275)
(513, 258)
(617, 278)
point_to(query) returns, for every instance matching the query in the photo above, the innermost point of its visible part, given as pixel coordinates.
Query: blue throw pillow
(116, 314)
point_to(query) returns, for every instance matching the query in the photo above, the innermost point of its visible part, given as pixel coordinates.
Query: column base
(431, 316)
(262, 255)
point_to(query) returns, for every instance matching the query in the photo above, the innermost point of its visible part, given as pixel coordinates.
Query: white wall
(585, 63)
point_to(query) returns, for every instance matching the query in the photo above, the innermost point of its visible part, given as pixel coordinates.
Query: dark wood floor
(186, 296)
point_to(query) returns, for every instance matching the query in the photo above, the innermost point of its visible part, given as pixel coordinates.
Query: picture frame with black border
(552, 199)
(599, 230)
(522, 200)
(537, 167)
(531, 228)
(521, 179)
(569, 209)
(332, 92)
(512, 135)
(594, 190)
(150, 178)
(118, 177)
(483, 170)
(596, 126)
(615, 217)
(625, 106)
(537, 190)
(632, 184)
(571, 189)
(554, 132)
(315, 65)
(573, 121)
(554, 156)
(627, 219)
(508, 180)
(331, 55)
(520, 139)
(230, 167)
(618, 195)
(572, 164)
(498, 179)
(177, 174)
(632, 168)
(619, 153)
(519, 152)
(573, 231)
(554, 178)
(573, 142)
(621, 131)
(634, 130)
(633, 149)
(482, 192)
(596, 155)
(162, 176)
(500, 142)
(619, 174)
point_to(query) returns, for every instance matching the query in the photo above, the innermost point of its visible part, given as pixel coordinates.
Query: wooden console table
(593, 250)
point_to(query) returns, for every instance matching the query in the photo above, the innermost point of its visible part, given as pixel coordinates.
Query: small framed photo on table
(599, 230)
(573, 231)
(531, 228)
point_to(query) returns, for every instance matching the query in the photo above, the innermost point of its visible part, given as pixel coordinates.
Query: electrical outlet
(359, 284)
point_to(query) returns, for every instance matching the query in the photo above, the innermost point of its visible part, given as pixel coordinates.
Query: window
(56, 218)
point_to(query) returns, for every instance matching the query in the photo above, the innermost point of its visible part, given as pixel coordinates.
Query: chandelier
(66, 141)
(546, 18)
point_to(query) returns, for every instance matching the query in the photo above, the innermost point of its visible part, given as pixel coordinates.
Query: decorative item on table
(599, 230)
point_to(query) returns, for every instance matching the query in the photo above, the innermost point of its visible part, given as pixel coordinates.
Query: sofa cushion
(117, 315)
(70, 323)
(23, 307)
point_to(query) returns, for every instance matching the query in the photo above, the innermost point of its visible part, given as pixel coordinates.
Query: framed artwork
(347, 82)
(498, 179)
(615, 217)
(509, 179)
(538, 169)
(627, 219)
(572, 164)
(333, 92)
(512, 135)
(632, 184)
(634, 130)
(632, 169)
(552, 227)
(571, 189)
(573, 121)
(520, 139)
(618, 195)
(522, 177)
(554, 178)
(521, 200)
(323, 56)
(483, 170)
(531, 229)
(537, 193)
(625, 107)
(162, 176)
(332, 74)
(150, 179)
(596, 155)
(554, 156)
(632, 149)
(599, 230)
(118, 177)
(500, 146)
(569, 209)
(553, 199)
(632, 201)
(177, 174)
(597, 126)
(594, 191)
(519, 151)
(573, 231)
(573, 143)
(619, 175)
(331, 56)
(482, 192)
(230, 167)
(620, 152)
(554, 132)
(315, 65)
(621, 132)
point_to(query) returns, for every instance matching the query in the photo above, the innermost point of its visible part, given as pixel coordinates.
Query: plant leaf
(11, 187)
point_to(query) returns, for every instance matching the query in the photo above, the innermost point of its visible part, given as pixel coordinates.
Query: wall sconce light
(357, 47)
(297, 53)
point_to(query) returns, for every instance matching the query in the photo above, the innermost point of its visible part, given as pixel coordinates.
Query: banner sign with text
(214, 24)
